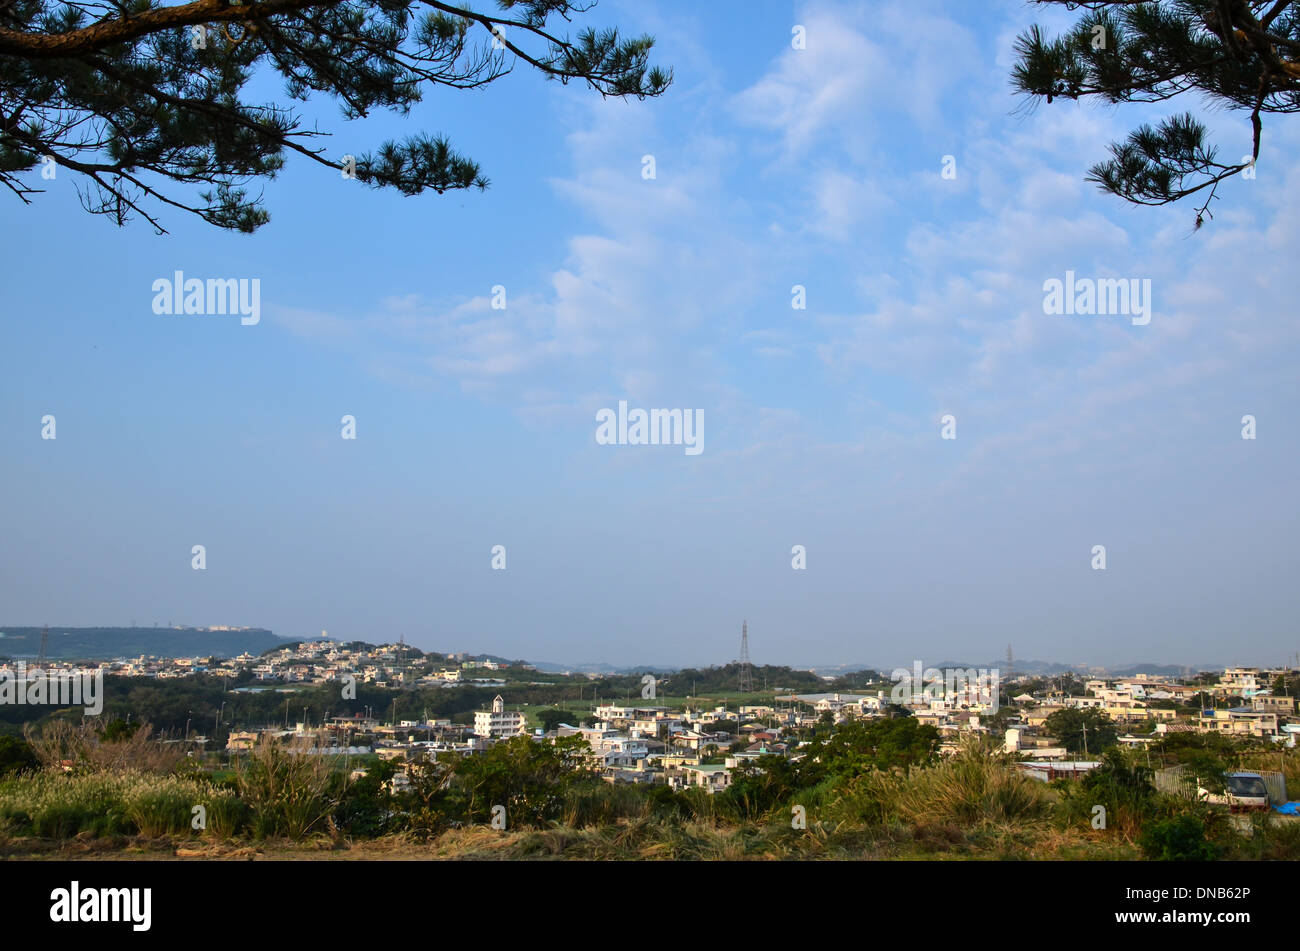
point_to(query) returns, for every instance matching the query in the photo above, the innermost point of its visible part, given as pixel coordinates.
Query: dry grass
(61, 744)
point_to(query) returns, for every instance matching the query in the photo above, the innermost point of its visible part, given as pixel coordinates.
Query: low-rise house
(1239, 681)
(1268, 703)
(242, 740)
(1238, 721)
(712, 778)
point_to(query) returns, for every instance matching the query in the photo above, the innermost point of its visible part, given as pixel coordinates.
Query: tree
(864, 745)
(17, 756)
(1234, 54)
(1082, 730)
(147, 103)
(1122, 786)
(761, 785)
(528, 778)
(1207, 756)
(118, 730)
(552, 717)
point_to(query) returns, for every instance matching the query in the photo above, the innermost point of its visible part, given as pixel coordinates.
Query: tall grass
(103, 803)
(286, 789)
(603, 804)
(973, 787)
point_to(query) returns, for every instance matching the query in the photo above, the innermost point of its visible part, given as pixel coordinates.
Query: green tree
(759, 786)
(864, 745)
(149, 103)
(119, 729)
(16, 756)
(1207, 756)
(1123, 787)
(365, 807)
(553, 717)
(1082, 730)
(527, 777)
(1230, 54)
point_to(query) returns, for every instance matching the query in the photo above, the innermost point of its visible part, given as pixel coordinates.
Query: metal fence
(1175, 781)
(1178, 781)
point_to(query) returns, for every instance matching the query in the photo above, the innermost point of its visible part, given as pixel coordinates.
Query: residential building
(498, 722)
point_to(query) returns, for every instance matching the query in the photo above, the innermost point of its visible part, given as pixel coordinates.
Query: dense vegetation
(175, 704)
(866, 789)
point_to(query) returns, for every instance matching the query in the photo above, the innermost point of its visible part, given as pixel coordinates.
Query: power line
(746, 672)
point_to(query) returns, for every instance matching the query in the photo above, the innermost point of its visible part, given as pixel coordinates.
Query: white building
(1242, 681)
(498, 721)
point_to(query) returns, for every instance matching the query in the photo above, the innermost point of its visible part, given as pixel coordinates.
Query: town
(703, 741)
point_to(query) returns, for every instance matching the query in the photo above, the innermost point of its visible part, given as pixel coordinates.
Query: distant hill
(105, 643)
(1163, 670)
(549, 667)
(1038, 668)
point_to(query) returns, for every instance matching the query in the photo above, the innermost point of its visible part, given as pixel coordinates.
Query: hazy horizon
(967, 659)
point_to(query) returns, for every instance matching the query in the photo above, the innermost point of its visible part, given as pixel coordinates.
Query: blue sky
(476, 427)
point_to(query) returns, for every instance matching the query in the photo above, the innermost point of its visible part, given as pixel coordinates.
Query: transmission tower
(746, 673)
(1011, 665)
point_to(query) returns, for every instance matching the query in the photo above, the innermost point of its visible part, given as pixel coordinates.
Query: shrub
(92, 745)
(976, 785)
(1123, 788)
(16, 756)
(529, 779)
(367, 808)
(1180, 838)
(972, 787)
